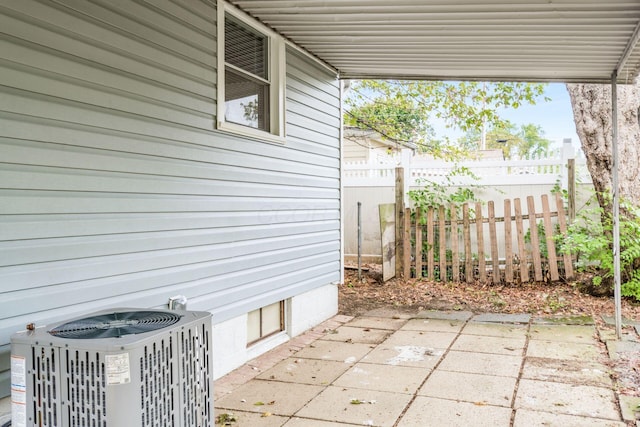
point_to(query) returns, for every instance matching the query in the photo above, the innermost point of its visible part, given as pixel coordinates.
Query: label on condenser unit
(18, 391)
(117, 368)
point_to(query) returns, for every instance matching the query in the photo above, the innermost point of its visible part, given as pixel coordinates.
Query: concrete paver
(567, 371)
(434, 369)
(422, 338)
(482, 363)
(474, 388)
(305, 371)
(405, 355)
(378, 377)
(496, 330)
(353, 334)
(357, 406)
(338, 351)
(564, 333)
(433, 325)
(377, 323)
(494, 345)
(433, 412)
(563, 350)
(276, 397)
(528, 418)
(588, 401)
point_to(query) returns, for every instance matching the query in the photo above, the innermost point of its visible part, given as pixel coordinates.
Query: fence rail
(438, 244)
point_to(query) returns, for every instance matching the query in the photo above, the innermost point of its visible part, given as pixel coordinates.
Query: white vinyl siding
(117, 191)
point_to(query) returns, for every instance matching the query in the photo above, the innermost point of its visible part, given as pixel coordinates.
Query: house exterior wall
(116, 190)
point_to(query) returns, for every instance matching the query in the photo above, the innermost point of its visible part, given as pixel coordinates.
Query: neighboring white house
(128, 177)
(368, 146)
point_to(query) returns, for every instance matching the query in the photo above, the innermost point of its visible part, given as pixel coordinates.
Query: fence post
(399, 220)
(569, 175)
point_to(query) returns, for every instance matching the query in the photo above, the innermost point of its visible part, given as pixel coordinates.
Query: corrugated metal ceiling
(532, 40)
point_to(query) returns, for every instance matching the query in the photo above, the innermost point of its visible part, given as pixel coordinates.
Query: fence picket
(443, 244)
(508, 239)
(468, 258)
(495, 261)
(535, 242)
(482, 268)
(430, 243)
(562, 224)
(455, 264)
(551, 244)
(522, 250)
(418, 242)
(406, 245)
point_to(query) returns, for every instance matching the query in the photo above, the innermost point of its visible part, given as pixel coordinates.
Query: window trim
(277, 68)
(283, 324)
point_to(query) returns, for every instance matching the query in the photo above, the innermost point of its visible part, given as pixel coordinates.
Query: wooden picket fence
(439, 245)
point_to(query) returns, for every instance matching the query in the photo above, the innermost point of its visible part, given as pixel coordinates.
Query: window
(250, 76)
(264, 322)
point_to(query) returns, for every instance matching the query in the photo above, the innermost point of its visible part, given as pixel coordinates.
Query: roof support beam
(631, 45)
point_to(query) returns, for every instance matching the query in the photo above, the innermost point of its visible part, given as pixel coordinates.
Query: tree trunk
(592, 114)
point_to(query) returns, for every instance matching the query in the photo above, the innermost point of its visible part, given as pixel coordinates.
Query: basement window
(250, 76)
(265, 322)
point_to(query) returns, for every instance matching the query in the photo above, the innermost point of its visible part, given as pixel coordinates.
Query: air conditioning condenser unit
(115, 368)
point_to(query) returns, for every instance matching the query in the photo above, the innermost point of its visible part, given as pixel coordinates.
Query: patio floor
(433, 369)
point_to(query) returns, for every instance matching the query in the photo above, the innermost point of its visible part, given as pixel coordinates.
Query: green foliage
(542, 239)
(590, 237)
(432, 194)
(525, 143)
(401, 110)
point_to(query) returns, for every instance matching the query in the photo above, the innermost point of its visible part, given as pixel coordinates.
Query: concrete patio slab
(502, 318)
(474, 388)
(276, 397)
(563, 350)
(390, 313)
(617, 349)
(252, 419)
(433, 412)
(398, 379)
(377, 323)
(494, 345)
(564, 333)
(528, 418)
(630, 407)
(560, 398)
(352, 334)
(567, 371)
(338, 351)
(435, 370)
(372, 408)
(433, 325)
(445, 315)
(422, 338)
(496, 330)
(305, 371)
(482, 363)
(405, 355)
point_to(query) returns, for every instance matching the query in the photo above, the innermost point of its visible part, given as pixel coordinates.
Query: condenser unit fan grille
(115, 325)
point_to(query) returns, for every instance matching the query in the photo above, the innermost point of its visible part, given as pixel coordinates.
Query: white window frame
(277, 67)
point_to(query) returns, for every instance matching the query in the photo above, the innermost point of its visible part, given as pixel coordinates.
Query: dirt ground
(562, 299)
(358, 296)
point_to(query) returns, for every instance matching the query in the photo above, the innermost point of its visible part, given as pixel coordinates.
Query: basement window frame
(274, 79)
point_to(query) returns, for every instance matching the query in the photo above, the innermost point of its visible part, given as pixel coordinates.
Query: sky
(555, 117)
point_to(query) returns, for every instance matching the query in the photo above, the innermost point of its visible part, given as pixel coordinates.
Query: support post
(616, 206)
(359, 241)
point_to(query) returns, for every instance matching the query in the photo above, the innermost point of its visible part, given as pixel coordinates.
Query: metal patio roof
(529, 40)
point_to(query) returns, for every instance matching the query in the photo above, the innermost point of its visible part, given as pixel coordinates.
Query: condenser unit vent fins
(115, 325)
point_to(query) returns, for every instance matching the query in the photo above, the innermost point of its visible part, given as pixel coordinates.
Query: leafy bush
(590, 237)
